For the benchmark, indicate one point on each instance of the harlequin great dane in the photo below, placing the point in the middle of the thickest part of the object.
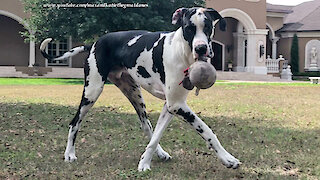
(156, 62)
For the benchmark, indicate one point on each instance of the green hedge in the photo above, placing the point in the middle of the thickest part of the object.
(309, 74)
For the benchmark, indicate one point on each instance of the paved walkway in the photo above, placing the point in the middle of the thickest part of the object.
(52, 72)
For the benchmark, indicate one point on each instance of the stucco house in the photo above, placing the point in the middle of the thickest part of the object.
(303, 20)
(255, 30)
(15, 52)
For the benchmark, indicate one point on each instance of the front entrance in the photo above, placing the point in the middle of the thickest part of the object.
(217, 60)
(14, 52)
(242, 42)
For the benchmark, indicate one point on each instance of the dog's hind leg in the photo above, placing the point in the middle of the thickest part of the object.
(132, 91)
(93, 87)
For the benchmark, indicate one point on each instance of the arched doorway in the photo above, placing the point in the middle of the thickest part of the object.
(230, 46)
(271, 42)
(14, 51)
(218, 59)
(247, 42)
(17, 52)
(241, 24)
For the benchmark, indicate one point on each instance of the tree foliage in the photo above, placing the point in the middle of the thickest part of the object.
(295, 54)
(85, 24)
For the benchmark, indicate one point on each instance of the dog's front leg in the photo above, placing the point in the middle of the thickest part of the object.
(163, 121)
(183, 111)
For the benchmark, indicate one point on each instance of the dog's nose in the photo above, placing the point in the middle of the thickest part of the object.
(201, 49)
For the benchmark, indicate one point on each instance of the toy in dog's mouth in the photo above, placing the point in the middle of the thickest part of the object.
(202, 58)
(200, 74)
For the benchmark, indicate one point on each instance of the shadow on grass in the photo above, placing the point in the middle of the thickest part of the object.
(109, 145)
(42, 81)
(78, 82)
(75, 82)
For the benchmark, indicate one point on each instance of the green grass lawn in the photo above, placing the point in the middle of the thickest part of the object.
(39, 81)
(274, 129)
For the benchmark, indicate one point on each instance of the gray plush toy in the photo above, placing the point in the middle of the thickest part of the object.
(201, 74)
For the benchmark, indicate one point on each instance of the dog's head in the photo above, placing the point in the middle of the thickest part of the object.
(198, 28)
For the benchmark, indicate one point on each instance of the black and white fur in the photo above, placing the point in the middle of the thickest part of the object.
(154, 61)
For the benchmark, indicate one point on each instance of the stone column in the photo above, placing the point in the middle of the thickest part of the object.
(32, 53)
(274, 47)
(70, 47)
(239, 51)
(255, 62)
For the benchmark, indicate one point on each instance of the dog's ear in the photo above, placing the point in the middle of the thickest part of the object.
(177, 16)
(216, 16)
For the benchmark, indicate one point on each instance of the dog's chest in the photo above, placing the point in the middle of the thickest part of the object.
(148, 70)
(149, 73)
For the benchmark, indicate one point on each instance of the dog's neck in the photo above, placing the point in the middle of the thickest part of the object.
(183, 49)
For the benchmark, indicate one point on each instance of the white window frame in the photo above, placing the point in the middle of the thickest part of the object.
(69, 60)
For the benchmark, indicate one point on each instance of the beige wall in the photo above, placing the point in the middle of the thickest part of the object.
(256, 10)
(16, 51)
(78, 61)
(226, 37)
(302, 45)
(14, 7)
(39, 58)
(275, 22)
(284, 48)
(13, 50)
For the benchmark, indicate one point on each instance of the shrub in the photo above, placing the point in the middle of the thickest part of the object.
(295, 54)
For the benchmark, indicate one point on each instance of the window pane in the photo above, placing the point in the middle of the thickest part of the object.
(58, 47)
(52, 49)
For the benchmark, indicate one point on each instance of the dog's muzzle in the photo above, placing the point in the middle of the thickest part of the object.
(201, 50)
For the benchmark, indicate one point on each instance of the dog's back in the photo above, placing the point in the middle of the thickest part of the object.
(124, 48)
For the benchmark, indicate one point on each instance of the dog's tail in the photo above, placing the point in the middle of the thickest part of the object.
(66, 55)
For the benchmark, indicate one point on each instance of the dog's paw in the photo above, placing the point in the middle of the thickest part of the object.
(70, 157)
(229, 161)
(163, 155)
(145, 160)
(144, 167)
